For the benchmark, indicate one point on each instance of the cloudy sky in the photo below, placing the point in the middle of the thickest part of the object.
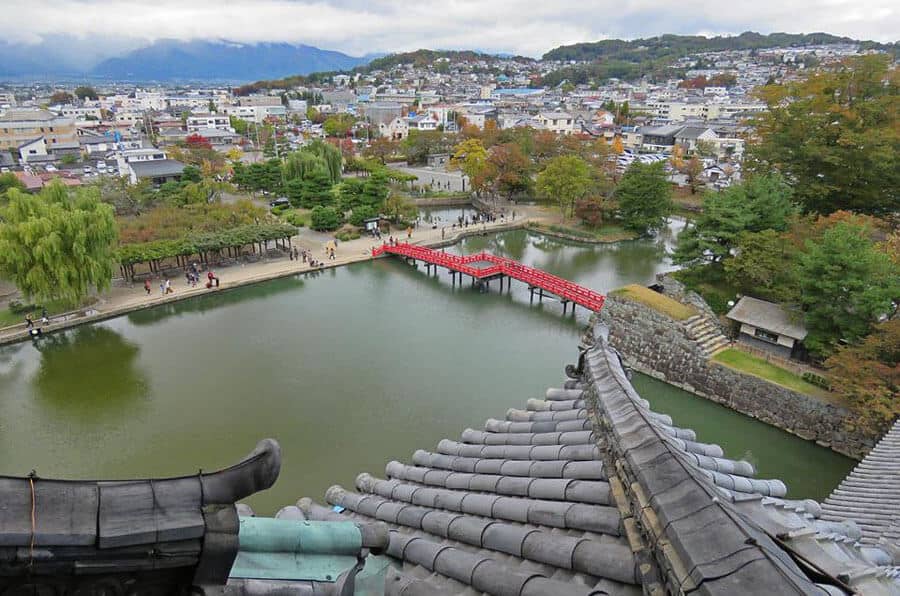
(528, 27)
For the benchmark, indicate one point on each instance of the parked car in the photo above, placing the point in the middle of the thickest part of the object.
(279, 202)
(50, 167)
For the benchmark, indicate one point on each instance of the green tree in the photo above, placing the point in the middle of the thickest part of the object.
(350, 193)
(325, 218)
(57, 245)
(835, 137)
(566, 179)
(84, 92)
(338, 125)
(8, 181)
(763, 265)
(398, 209)
(756, 204)
(360, 214)
(190, 174)
(316, 190)
(375, 189)
(644, 196)
(845, 284)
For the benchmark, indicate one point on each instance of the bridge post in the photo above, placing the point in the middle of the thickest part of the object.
(531, 291)
(541, 295)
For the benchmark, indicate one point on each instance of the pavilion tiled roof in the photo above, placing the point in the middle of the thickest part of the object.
(589, 491)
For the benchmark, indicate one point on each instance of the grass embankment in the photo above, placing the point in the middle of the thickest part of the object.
(750, 364)
(605, 233)
(656, 301)
(9, 317)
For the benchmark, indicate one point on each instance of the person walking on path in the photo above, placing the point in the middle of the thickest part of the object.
(29, 323)
(147, 286)
(443, 233)
(212, 279)
(409, 232)
(162, 287)
(169, 289)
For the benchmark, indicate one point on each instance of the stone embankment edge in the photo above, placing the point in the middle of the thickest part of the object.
(658, 346)
(457, 236)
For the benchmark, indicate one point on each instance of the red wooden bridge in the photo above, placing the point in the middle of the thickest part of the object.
(498, 268)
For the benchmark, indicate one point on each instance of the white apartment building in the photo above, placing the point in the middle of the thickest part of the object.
(201, 122)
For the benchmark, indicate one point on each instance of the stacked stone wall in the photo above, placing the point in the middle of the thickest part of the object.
(652, 343)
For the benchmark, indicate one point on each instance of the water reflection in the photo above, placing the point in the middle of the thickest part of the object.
(204, 303)
(89, 370)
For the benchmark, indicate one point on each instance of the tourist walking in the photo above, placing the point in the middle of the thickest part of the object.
(28, 322)
(162, 287)
(169, 289)
(212, 279)
(443, 233)
(147, 286)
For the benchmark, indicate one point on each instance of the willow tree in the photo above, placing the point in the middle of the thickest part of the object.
(58, 244)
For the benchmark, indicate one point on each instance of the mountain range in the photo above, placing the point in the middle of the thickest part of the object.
(167, 60)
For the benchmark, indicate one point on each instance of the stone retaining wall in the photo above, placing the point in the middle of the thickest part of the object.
(656, 345)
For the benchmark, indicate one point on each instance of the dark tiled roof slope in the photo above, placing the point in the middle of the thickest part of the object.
(870, 495)
(590, 492)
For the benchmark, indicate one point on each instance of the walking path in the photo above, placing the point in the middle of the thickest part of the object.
(128, 298)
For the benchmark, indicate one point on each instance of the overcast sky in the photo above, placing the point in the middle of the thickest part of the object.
(528, 27)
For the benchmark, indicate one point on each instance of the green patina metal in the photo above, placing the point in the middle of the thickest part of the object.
(296, 550)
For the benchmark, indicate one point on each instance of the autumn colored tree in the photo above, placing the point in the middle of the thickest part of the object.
(509, 170)
(590, 211)
(197, 141)
(380, 149)
(834, 136)
(61, 97)
(867, 374)
(470, 157)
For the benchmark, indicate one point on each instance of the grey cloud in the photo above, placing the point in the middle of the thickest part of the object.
(362, 26)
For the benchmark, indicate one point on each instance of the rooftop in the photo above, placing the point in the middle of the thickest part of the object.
(769, 316)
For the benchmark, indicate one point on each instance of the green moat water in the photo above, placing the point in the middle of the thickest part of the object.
(348, 369)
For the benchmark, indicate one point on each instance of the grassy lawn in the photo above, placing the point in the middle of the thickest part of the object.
(656, 301)
(7, 317)
(744, 362)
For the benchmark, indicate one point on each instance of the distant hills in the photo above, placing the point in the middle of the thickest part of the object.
(677, 46)
(168, 60)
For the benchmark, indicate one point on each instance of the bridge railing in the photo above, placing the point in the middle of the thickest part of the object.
(563, 288)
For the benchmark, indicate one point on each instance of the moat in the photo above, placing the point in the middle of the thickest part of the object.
(348, 369)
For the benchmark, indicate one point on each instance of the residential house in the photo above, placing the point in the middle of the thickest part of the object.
(768, 326)
(158, 171)
(20, 126)
(396, 130)
(561, 123)
(422, 122)
(689, 137)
